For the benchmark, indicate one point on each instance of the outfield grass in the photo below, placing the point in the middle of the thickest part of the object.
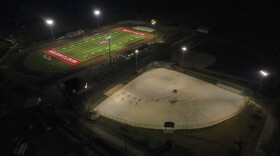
(86, 49)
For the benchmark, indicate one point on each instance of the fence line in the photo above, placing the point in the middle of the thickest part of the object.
(190, 126)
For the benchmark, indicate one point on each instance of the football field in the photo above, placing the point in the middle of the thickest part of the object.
(86, 49)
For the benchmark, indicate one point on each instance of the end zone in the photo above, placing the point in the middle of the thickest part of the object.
(62, 57)
(134, 32)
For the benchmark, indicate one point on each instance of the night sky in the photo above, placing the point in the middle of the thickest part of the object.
(246, 19)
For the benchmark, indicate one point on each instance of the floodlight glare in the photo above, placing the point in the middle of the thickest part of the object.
(264, 73)
(136, 51)
(96, 12)
(49, 21)
(184, 49)
(86, 86)
(153, 21)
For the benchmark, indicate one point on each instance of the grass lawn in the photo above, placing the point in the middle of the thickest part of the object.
(86, 49)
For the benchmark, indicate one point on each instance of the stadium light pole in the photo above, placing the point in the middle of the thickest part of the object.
(153, 21)
(97, 14)
(263, 74)
(86, 86)
(108, 39)
(136, 63)
(184, 49)
(50, 23)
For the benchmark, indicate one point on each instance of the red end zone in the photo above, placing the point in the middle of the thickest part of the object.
(62, 57)
(133, 32)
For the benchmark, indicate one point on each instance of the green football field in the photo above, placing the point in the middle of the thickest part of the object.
(86, 49)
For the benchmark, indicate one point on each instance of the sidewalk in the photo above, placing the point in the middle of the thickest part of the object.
(267, 134)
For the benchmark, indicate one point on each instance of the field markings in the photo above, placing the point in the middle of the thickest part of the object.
(84, 50)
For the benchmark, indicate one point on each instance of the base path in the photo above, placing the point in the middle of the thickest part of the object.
(163, 95)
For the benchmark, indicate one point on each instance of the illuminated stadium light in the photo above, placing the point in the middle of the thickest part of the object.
(153, 21)
(184, 49)
(50, 23)
(97, 13)
(263, 74)
(136, 63)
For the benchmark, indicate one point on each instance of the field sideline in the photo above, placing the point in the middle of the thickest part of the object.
(89, 48)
